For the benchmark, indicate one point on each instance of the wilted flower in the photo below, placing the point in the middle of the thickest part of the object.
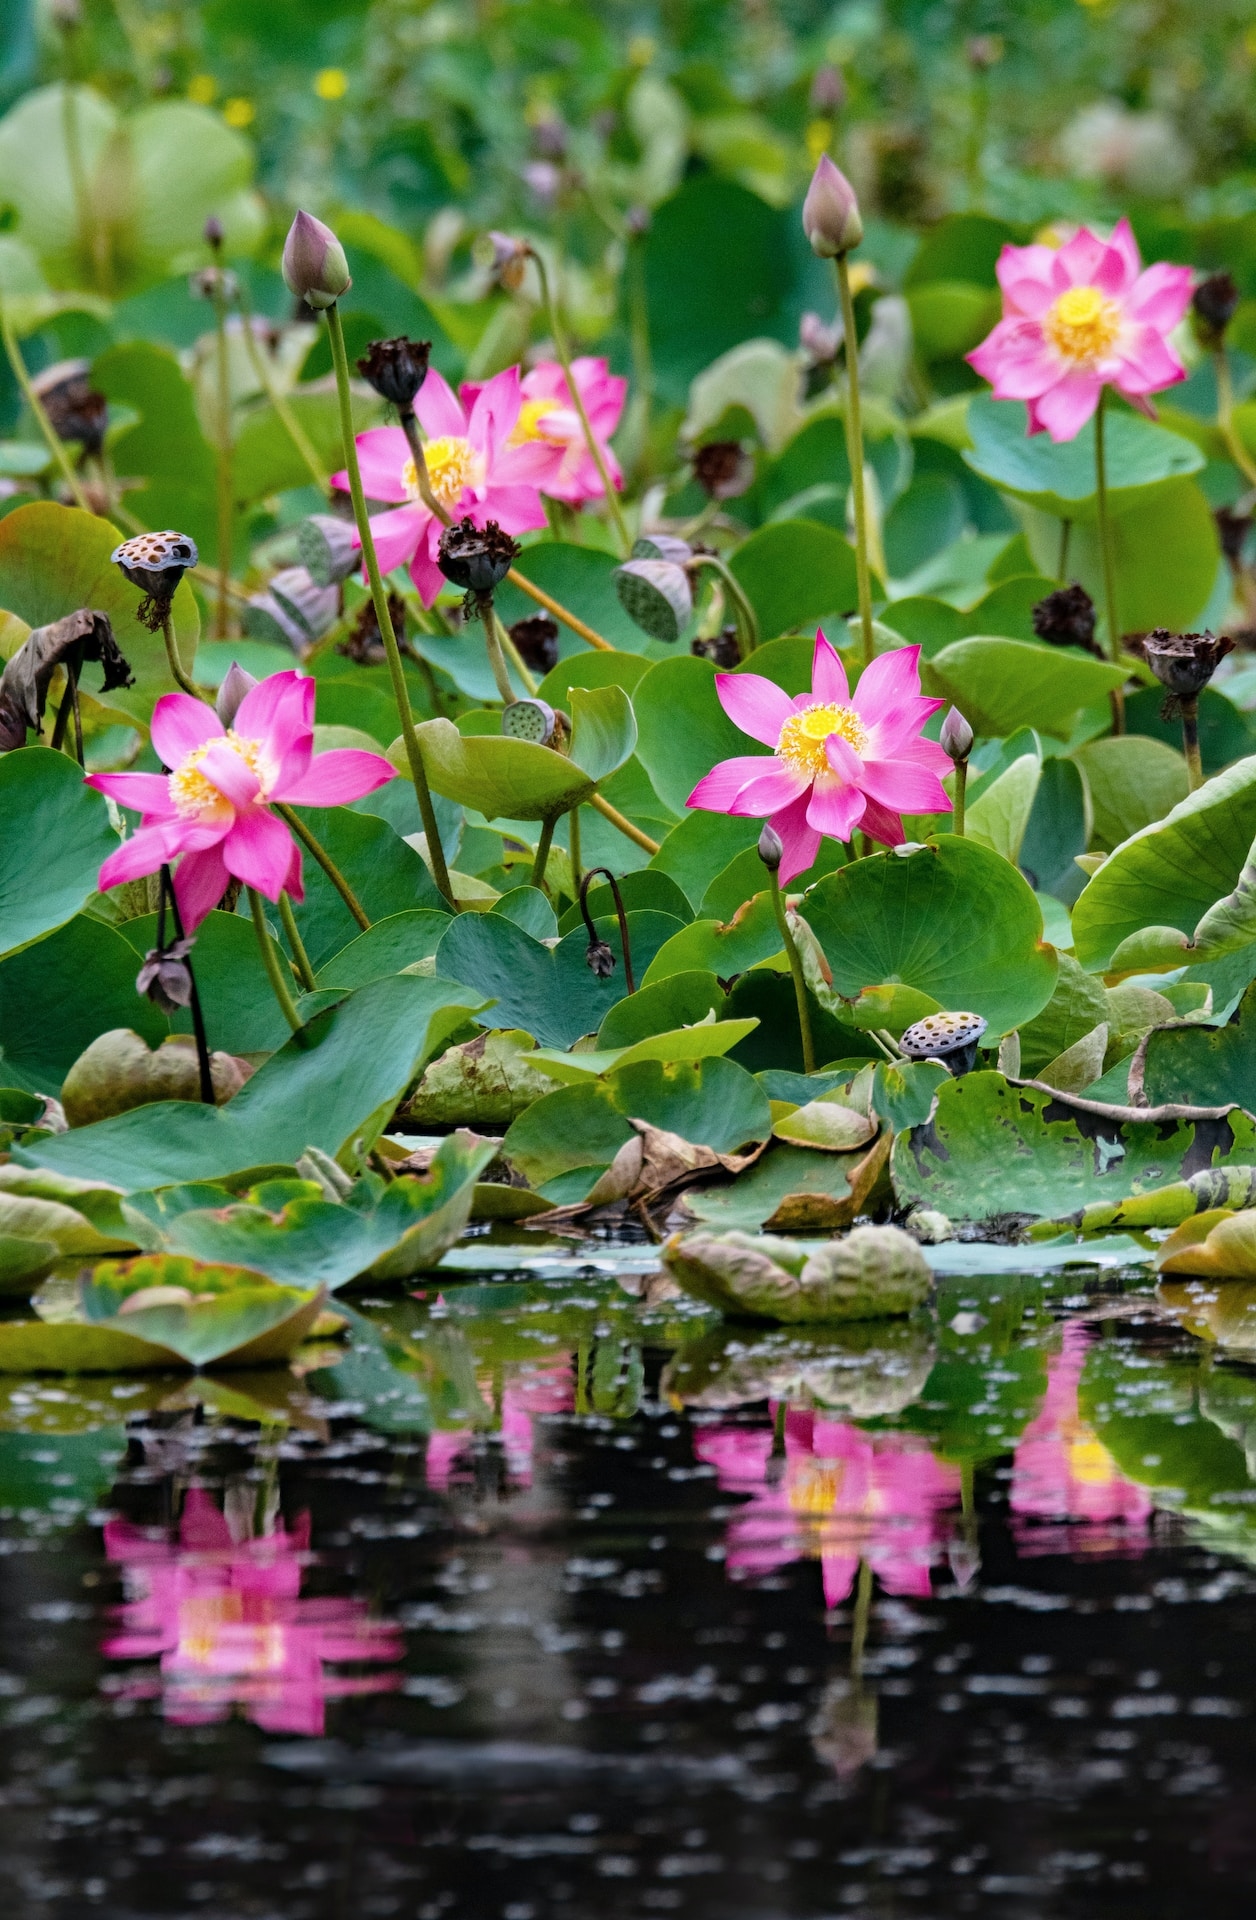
(236, 683)
(1213, 306)
(214, 805)
(956, 737)
(839, 761)
(396, 369)
(155, 562)
(723, 469)
(476, 558)
(508, 260)
(75, 408)
(536, 641)
(599, 959)
(1066, 618)
(830, 212)
(165, 977)
(1185, 662)
(314, 264)
(1078, 318)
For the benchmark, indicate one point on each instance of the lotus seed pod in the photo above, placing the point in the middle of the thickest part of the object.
(329, 549)
(956, 737)
(656, 596)
(314, 264)
(830, 212)
(951, 1038)
(314, 607)
(528, 720)
(396, 369)
(1185, 662)
(267, 618)
(662, 546)
(476, 558)
(156, 562)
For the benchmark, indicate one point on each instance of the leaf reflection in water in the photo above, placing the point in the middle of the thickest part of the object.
(1062, 1472)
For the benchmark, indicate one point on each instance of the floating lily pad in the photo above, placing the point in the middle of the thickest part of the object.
(873, 1273)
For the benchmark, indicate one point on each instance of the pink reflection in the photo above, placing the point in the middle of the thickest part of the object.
(1063, 1472)
(839, 1495)
(225, 1619)
(533, 1391)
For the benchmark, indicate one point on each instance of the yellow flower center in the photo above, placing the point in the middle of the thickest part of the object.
(452, 465)
(1082, 325)
(801, 745)
(194, 793)
(531, 423)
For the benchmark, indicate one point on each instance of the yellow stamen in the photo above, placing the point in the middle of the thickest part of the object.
(814, 1486)
(801, 745)
(452, 465)
(194, 794)
(531, 423)
(1082, 325)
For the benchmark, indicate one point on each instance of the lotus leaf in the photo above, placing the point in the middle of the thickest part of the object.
(869, 1369)
(873, 1272)
(485, 1082)
(520, 781)
(45, 806)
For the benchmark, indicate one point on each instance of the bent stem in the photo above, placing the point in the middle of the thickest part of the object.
(401, 693)
(573, 845)
(52, 439)
(177, 673)
(1190, 740)
(296, 824)
(543, 850)
(795, 967)
(559, 611)
(270, 960)
(854, 449)
(590, 438)
(301, 958)
(624, 825)
(620, 915)
(1109, 567)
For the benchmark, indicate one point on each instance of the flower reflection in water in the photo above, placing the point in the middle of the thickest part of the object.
(1063, 1473)
(221, 1610)
(835, 1494)
(533, 1391)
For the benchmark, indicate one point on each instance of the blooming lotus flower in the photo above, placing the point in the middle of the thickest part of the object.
(213, 807)
(839, 1496)
(474, 467)
(224, 1618)
(1062, 1471)
(839, 760)
(548, 418)
(1078, 318)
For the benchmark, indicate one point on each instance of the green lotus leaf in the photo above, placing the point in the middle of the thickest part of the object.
(705, 1041)
(1000, 685)
(647, 888)
(750, 936)
(872, 1273)
(1165, 555)
(701, 846)
(56, 836)
(827, 1123)
(485, 1082)
(795, 573)
(57, 997)
(794, 1190)
(1205, 1064)
(776, 1042)
(513, 779)
(1133, 783)
(1060, 477)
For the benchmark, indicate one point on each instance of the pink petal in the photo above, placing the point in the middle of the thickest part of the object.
(258, 851)
(758, 706)
(199, 883)
(836, 809)
(334, 778)
(382, 456)
(180, 725)
(843, 759)
(397, 533)
(279, 711)
(438, 409)
(1112, 274)
(717, 790)
(904, 786)
(828, 676)
(1018, 369)
(1124, 243)
(426, 575)
(1032, 266)
(801, 842)
(146, 793)
(143, 853)
(888, 739)
(884, 684)
(1160, 296)
(547, 381)
(880, 824)
(230, 773)
(1077, 261)
(1066, 407)
(528, 465)
(515, 509)
(772, 789)
(1027, 298)
(294, 885)
(495, 412)
(1146, 361)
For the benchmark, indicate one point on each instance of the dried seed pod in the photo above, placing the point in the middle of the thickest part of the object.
(165, 977)
(396, 369)
(723, 469)
(951, 1038)
(293, 610)
(74, 407)
(656, 595)
(536, 639)
(1066, 618)
(722, 649)
(1185, 662)
(476, 558)
(156, 562)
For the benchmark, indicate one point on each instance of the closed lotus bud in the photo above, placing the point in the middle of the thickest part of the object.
(314, 264)
(508, 260)
(830, 212)
(236, 683)
(771, 850)
(956, 737)
(828, 90)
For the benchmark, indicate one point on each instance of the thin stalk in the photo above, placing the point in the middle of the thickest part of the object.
(296, 824)
(301, 958)
(746, 617)
(496, 658)
(270, 960)
(515, 658)
(1061, 570)
(1117, 698)
(226, 504)
(70, 705)
(401, 693)
(854, 449)
(859, 1627)
(279, 401)
(590, 438)
(795, 967)
(573, 846)
(204, 1066)
(52, 439)
(961, 786)
(1189, 704)
(543, 851)
(582, 896)
(177, 673)
(1225, 418)
(625, 826)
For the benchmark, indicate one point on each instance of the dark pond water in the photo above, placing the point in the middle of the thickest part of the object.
(547, 1601)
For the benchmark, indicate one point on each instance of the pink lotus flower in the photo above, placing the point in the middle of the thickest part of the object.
(840, 1496)
(1078, 318)
(213, 806)
(474, 467)
(224, 1618)
(1062, 1471)
(537, 1390)
(549, 418)
(839, 760)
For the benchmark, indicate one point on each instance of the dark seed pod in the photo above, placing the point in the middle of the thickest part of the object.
(599, 959)
(75, 408)
(1066, 618)
(723, 469)
(536, 638)
(1213, 306)
(396, 369)
(951, 1038)
(476, 558)
(1185, 662)
(165, 977)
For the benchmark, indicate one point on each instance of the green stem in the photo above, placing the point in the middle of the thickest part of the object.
(859, 1626)
(1061, 571)
(558, 611)
(795, 967)
(743, 611)
(623, 824)
(1190, 740)
(177, 674)
(961, 785)
(854, 449)
(573, 846)
(543, 851)
(496, 658)
(590, 438)
(226, 504)
(401, 694)
(287, 418)
(52, 438)
(302, 959)
(1225, 419)
(293, 821)
(1109, 568)
(515, 658)
(270, 960)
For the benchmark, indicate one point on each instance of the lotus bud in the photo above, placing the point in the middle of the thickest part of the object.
(396, 369)
(1185, 662)
(508, 260)
(329, 549)
(950, 1038)
(476, 558)
(956, 737)
(830, 212)
(314, 264)
(771, 849)
(236, 683)
(1066, 618)
(828, 90)
(1213, 306)
(212, 231)
(656, 595)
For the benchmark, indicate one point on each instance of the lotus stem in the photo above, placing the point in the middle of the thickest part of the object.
(1061, 569)
(573, 846)
(167, 893)
(401, 693)
(492, 641)
(795, 967)
(854, 449)
(1105, 547)
(624, 825)
(859, 1624)
(590, 438)
(296, 824)
(279, 401)
(270, 960)
(961, 787)
(226, 502)
(559, 611)
(1225, 418)
(543, 851)
(743, 612)
(1189, 703)
(515, 658)
(177, 673)
(301, 959)
(52, 439)
(621, 916)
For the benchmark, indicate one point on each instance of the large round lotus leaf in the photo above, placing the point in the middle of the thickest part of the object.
(682, 999)
(589, 668)
(1000, 685)
(954, 921)
(872, 1273)
(515, 780)
(1133, 782)
(1165, 555)
(1060, 477)
(795, 572)
(56, 997)
(1167, 876)
(724, 950)
(949, 317)
(713, 267)
(56, 834)
(54, 560)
